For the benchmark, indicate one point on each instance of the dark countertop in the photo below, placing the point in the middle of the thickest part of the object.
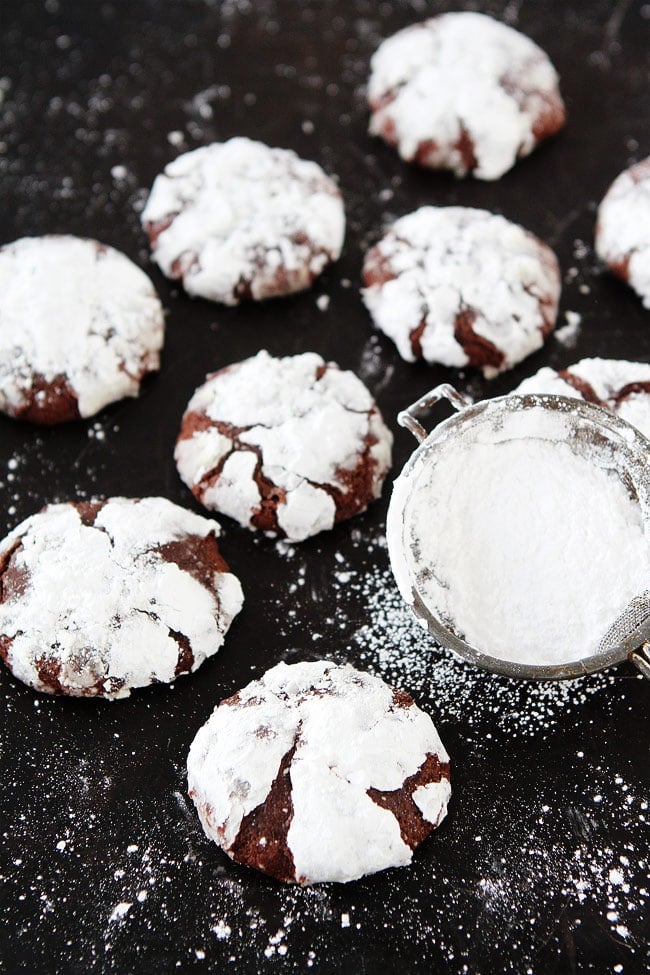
(542, 863)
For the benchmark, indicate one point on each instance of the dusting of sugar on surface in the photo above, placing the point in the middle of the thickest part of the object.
(568, 334)
(520, 872)
(573, 847)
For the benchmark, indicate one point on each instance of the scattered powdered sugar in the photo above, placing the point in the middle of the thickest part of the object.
(393, 644)
(539, 865)
(568, 334)
(439, 265)
(240, 211)
(120, 911)
(463, 84)
(522, 546)
(221, 930)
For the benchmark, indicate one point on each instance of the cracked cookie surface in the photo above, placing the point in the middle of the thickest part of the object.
(80, 326)
(97, 598)
(462, 287)
(289, 446)
(617, 385)
(319, 773)
(463, 92)
(623, 228)
(239, 220)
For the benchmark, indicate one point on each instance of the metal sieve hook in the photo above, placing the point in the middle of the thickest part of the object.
(407, 418)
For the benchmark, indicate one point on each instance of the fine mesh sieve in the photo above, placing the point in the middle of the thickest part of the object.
(591, 433)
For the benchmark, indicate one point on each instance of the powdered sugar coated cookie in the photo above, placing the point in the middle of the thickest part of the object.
(319, 773)
(464, 92)
(100, 597)
(80, 325)
(462, 287)
(286, 445)
(615, 384)
(240, 220)
(623, 228)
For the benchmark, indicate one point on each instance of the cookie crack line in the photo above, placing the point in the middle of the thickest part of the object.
(147, 612)
(631, 389)
(414, 828)
(269, 821)
(5, 559)
(233, 434)
(583, 387)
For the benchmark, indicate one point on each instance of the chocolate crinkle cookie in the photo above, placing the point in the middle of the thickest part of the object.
(80, 326)
(614, 384)
(319, 773)
(463, 92)
(289, 446)
(100, 597)
(623, 228)
(462, 287)
(238, 220)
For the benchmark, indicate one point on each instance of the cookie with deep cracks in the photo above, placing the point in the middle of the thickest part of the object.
(285, 445)
(462, 91)
(100, 597)
(462, 287)
(318, 773)
(239, 220)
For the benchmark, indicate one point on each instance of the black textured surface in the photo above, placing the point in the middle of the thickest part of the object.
(542, 864)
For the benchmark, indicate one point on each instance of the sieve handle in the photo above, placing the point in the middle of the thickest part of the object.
(407, 418)
(641, 659)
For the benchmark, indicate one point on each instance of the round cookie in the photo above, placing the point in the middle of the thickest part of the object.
(463, 92)
(623, 228)
(100, 597)
(319, 773)
(289, 446)
(238, 219)
(462, 287)
(615, 384)
(80, 326)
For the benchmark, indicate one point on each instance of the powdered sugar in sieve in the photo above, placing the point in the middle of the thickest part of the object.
(519, 532)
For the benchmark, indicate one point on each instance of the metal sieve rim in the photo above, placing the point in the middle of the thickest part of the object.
(634, 441)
